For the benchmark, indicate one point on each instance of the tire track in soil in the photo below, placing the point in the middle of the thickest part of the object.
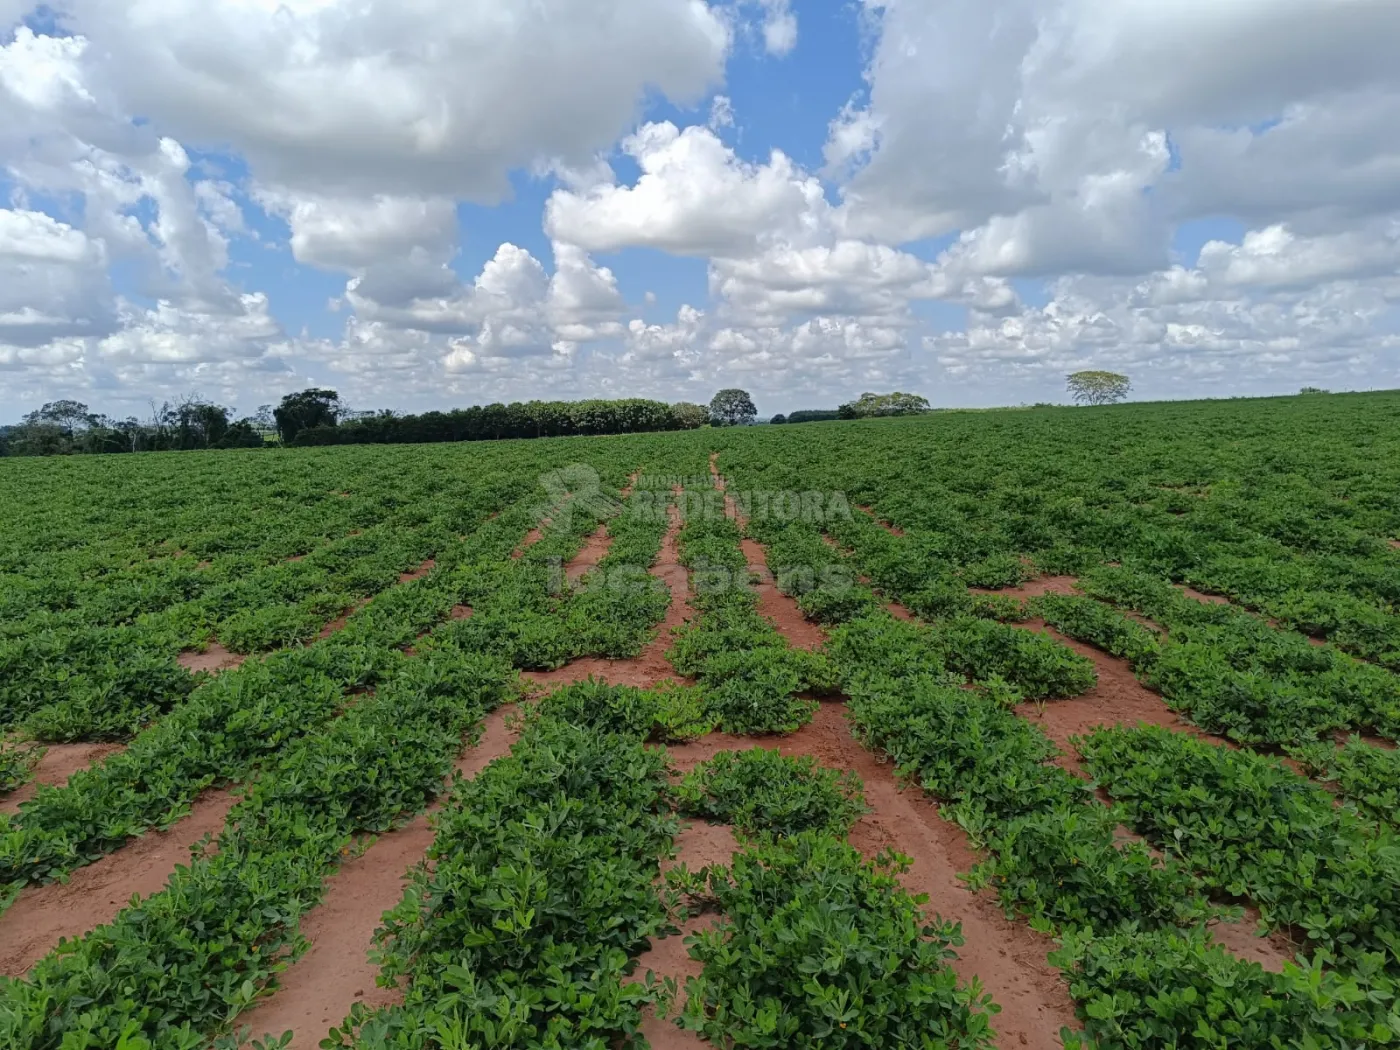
(55, 766)
(651, 667)
(317, 991)
(1007, 956)
(94, 894)
(778, 608)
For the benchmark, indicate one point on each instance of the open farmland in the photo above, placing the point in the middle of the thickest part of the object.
(1011, 728)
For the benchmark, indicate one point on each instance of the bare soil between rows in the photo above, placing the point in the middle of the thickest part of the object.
(1119, 699)
(93, 895)
(699, 845)
(318, 990)
(651, 667)
(778, 608)
(55, 766)
(1007, 956)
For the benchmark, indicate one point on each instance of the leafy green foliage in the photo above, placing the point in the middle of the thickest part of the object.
(1214, 999)
(663, 715)
(1361, 773)
(538, 892)
(386, 757)
(1101, 626)
(819, 948)
(1054, 851)
(1255, 829)
(752, 679)
(764, 791)
(1038, 665)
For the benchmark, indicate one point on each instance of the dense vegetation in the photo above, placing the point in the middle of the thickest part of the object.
(388, 598)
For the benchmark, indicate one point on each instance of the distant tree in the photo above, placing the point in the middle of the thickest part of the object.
(1313, 390)
(60, 427)
(37, 438)
(688, 415)
(895, 404)
(779, 418)
(813, 415)
(1098, 388)
(313, 407)
(732, 408)
(71, 417)
(196, 423)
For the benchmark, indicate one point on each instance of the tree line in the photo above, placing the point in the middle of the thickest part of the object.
(317, 417)
(67, 427)
(313, 417)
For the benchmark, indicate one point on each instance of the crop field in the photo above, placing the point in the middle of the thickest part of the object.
(1022, 728)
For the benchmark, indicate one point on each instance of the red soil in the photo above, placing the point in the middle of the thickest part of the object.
(1220, 599)
(780, 609)
(537, 533)
(55, 766)
(214, 658)
(898, 611)
(338, 624)
(1118, 699)
(1242, 940)
(1394, 544)
(43, 915)
(595, 549)
(316, 992)
(418, 573)
(1007, 956)
(651, 667)
(461, 612)
(1195, 595)
(699, 845)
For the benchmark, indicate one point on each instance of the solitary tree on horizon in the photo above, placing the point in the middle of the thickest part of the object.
(1098, 388)
(732, 408)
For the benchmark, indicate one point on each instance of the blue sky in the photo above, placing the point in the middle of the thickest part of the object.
(238, 197)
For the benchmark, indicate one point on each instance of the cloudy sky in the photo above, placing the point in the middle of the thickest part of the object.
(435, 203)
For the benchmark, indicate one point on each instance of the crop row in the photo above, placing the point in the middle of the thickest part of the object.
(313, 763)
(231, 723)
(1287, 508)
(1133, 928)
(752, 679)
(542, 890)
